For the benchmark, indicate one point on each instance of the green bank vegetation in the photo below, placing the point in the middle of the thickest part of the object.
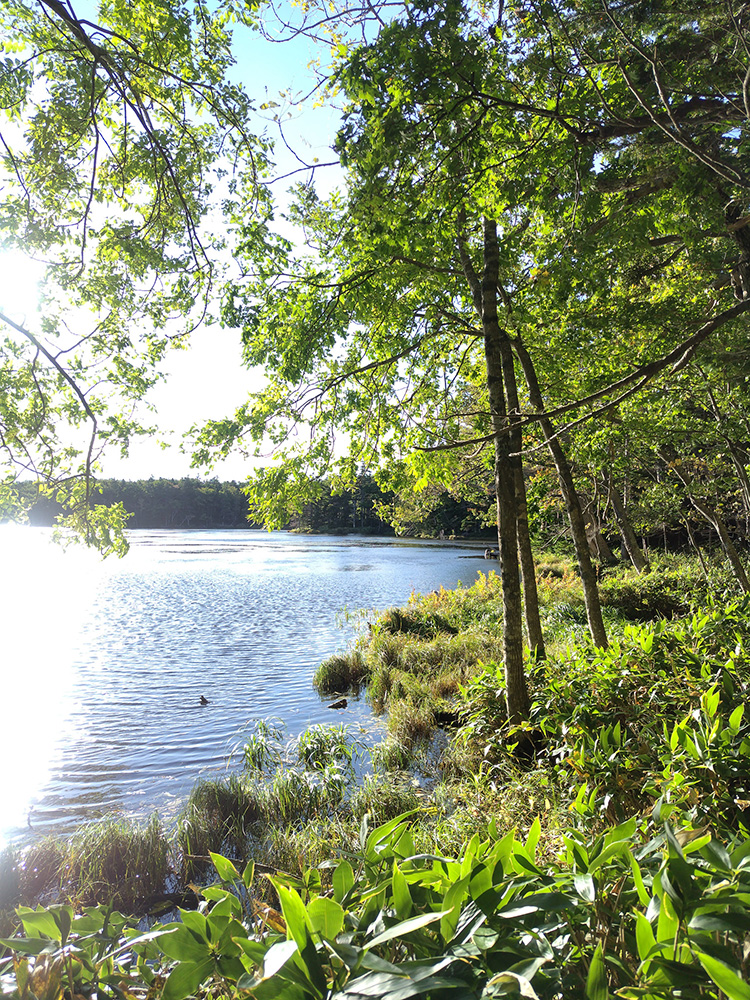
(600, 849)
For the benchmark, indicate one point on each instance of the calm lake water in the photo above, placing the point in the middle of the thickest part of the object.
(104, 662)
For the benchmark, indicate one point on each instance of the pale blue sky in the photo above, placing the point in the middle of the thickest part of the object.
(208, 380)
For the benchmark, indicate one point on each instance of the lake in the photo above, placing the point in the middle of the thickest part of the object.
(104, 662)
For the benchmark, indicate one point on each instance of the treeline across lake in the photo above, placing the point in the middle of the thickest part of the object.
(196, 503)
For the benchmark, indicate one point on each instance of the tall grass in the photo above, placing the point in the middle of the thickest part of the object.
(117, 861)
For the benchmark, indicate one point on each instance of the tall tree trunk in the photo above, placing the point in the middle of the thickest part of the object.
(695, 545)
(484, 295)
(572, 503)
(516, 690)
(627, 534)
(525, 554)
(715, 518)
(596, 541)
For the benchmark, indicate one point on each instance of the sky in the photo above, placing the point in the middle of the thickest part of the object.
(208, 380)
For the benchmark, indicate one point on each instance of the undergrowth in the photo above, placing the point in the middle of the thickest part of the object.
(628, 873)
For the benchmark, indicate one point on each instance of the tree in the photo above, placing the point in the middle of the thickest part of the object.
(114, 135)
(574, 177)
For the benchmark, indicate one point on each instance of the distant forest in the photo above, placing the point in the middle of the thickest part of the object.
(196, 503)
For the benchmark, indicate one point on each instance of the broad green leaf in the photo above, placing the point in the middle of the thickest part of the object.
(452, 902)
(518, 985)
(181, 943)
(343, 880)
(185, 979)
(585, 887)
(644, 937)
(40, 920)
(597, 987)
(224, 868)
(326, 917)
(295, 915)
(640, 887)
(277, 956)
(725, 977)
(406, 927)
(535, 832)
(401, 895)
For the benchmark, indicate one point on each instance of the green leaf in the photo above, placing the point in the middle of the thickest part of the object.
(401, 895)
(406, 927)
(26, 946)
(644, 937)
(535, 832)
(597, 987)
(41, 920)
(343, 880)
(181, 943)
(518, 985)
(277, 956)
(185, 979)
(585, 887)
(297, 922)
(326, 917)
(248, 874)
(224, 868)
(725, 977)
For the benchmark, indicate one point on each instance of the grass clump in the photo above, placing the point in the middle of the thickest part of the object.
(118, 862)
(39, 868)
(216, 817)
(384, 798)
(341, 673)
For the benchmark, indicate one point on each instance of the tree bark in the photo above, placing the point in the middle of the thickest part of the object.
(516, 690)
(695, 545)
(627, 534)
(597, 543)
(525, 554)
(572, 502)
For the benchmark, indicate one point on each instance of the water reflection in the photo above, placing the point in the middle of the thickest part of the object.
(104, 663)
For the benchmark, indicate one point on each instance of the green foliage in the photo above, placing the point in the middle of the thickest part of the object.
(647, 909)
(660, 713)
(116, 128)
(664, 592)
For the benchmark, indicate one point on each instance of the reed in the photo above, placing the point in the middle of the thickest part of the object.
(216, 817)
(117, 861)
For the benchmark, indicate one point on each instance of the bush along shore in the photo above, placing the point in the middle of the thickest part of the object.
(610, 858)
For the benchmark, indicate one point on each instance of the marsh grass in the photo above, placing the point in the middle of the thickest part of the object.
(391, 755)
(384, 797)
(216, 817)
(341, 673)
(9, 879)
(40, 867)
(412, 723)
(117, 861)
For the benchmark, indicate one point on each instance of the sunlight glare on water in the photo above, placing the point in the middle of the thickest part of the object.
(104, 663)
(44, 597)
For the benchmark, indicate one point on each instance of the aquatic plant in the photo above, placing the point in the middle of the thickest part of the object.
(118, 862)
(320, 745)
(216, 816)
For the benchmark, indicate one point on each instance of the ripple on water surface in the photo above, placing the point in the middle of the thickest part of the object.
(110, 659)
